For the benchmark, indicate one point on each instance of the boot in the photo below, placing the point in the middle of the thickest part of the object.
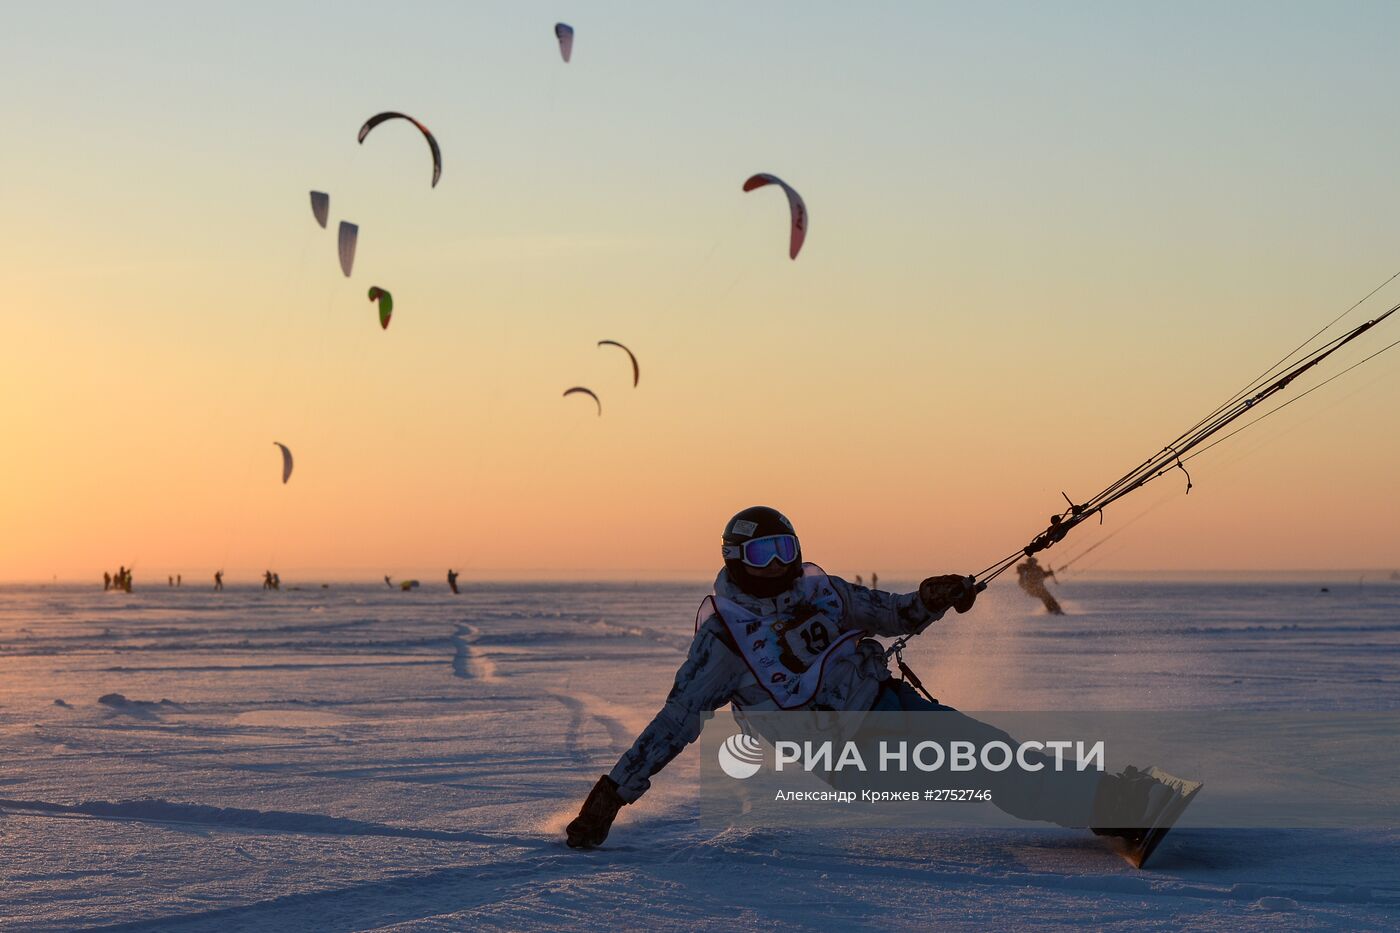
(1139, 807)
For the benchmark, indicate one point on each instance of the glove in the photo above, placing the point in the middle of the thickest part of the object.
(949, 591)
(596, 816)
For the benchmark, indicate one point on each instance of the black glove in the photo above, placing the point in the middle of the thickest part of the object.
(949, 591)
(596, 816)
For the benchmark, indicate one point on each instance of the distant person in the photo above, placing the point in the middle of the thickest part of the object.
(169, 580)
(452, 579)
(218, 580)
(277, 582)
(859, 581)
(267, 579)
(1031, 577)
(178, 579)
(106, 581)
(387, 582)
(874, 580)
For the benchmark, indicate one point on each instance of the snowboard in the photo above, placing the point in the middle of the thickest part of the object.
(1139, 849)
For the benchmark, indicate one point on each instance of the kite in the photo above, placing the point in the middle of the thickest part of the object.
(286, 462)
(795, 202)
(587, 392)
(636, 370)
(386, 305)
(321, 207)
(379, 118)
(349, 236)
(565, 34)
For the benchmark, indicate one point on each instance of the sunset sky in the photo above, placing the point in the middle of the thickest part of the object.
(1045, 238)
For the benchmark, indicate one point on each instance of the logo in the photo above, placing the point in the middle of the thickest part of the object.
(741, 756)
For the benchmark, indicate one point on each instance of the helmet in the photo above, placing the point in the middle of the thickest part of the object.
(750, 525)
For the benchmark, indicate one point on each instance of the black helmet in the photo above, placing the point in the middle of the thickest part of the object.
(752, 523)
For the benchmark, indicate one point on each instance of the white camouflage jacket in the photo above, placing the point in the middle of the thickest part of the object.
(714, 674)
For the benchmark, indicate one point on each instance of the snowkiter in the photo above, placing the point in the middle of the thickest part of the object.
(774, 613)
(1031, 577)
(452, 579)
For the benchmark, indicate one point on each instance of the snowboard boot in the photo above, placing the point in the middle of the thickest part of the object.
(1139, 808)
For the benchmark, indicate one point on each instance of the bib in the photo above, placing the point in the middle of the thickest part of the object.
(788, 652)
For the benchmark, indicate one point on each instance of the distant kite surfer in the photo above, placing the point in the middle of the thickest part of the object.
(452, 579)
(1031, 577)
(218, 580)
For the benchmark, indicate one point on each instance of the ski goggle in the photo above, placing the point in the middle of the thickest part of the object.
(760, 552)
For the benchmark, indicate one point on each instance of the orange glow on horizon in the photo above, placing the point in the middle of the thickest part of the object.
(1025, 291)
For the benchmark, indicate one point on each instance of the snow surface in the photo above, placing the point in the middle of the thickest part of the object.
(361, 758)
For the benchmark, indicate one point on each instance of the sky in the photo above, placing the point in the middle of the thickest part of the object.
(1044, 240)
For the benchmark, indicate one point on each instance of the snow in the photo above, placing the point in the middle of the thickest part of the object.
(360, 757)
